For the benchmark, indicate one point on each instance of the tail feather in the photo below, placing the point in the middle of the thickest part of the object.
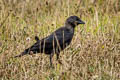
(34, 48)
(37, 38)
(23, 53)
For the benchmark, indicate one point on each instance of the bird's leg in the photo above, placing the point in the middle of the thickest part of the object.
(51, 55)
(57, 56)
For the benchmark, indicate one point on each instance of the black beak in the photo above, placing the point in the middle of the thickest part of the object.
(80, 22)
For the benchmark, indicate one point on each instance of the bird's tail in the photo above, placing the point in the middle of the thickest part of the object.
(37, 38)
(34, 48)
(23, 53)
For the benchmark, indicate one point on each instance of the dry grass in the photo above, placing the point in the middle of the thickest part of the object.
(94, 53)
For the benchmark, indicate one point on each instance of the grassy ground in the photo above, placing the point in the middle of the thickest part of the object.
(94, 53)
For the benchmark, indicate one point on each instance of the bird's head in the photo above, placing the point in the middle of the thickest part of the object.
(74, 21)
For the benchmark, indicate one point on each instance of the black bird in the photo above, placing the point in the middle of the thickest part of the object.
(55, 42)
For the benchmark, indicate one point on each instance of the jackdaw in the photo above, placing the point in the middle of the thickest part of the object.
(55, 42)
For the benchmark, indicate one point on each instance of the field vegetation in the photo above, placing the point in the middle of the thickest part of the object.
(94, 53)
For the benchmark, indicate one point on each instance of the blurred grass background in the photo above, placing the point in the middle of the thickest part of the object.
(94, 53)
